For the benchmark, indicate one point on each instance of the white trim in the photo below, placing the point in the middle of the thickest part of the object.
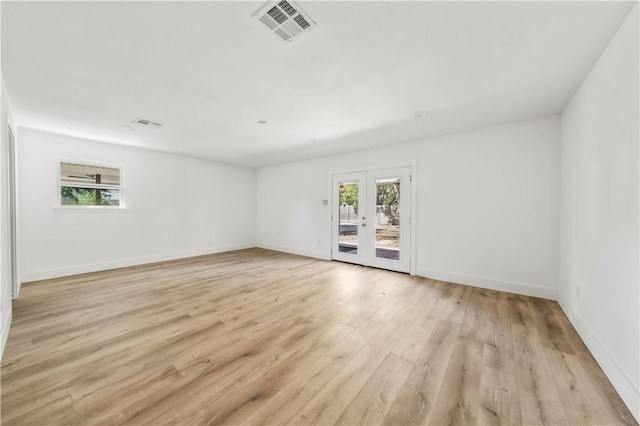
(83, 209)
(6, 326)
(12, 186)
(391, 165)
(93, 163)
(327, 253)
(307, 253)
(127, 143)
(90, 185)
(491, 284)
(413, 219)
(123, 263)
(18, 220)
(616, 375)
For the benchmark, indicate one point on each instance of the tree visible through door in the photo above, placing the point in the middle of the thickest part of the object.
(388, 218)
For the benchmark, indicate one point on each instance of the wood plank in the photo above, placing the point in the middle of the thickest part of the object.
(612, 400)
(499, 404)
(499, 387)
(412, 343)
(581, 403)
(260, 337)
(458, 399)
(414, 404)
(540, 402)
(329, 404)
(234, 406)
(284, 406)
(372, 403)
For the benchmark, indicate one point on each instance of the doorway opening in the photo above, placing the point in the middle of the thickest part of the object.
(371, 218)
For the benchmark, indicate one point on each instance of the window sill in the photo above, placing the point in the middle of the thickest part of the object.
(102, 209)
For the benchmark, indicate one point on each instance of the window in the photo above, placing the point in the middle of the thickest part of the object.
(90, 185)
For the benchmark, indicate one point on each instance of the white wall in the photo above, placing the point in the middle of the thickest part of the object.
(488, 203)
(175, 207)
(599, 240)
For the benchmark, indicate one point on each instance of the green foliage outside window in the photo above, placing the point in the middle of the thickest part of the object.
(349, 195)
(387, 194)
(74, 196)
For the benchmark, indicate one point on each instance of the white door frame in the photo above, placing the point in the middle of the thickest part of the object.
(412, 222)
(11, 186)
(404, 264)
(360, 224)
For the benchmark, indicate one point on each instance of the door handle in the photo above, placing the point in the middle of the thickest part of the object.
(364, 224)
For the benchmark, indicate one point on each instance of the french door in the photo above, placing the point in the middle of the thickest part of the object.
(371, 218)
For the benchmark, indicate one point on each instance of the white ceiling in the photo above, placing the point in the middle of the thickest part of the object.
(208, 72)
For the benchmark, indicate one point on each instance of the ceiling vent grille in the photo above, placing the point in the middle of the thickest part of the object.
(285, 19)
(146, 123)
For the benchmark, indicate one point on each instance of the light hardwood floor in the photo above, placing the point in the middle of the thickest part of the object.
(259, 337)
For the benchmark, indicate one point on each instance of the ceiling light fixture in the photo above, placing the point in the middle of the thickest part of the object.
(262, 122)
(420, 114)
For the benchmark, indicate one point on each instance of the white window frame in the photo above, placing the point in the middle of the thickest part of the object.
(59, 184)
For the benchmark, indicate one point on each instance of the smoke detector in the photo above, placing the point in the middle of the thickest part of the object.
(285, 19)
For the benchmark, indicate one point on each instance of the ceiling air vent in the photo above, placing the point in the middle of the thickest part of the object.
(285, 19)
(146, 123)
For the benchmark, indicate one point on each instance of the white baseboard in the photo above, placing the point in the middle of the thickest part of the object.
(308, 253)
(616, 375)
(6, 325)
(123, 263)
(491, 284)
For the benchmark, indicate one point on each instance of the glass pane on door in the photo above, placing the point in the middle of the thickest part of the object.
(348, 223)
(388, 218)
